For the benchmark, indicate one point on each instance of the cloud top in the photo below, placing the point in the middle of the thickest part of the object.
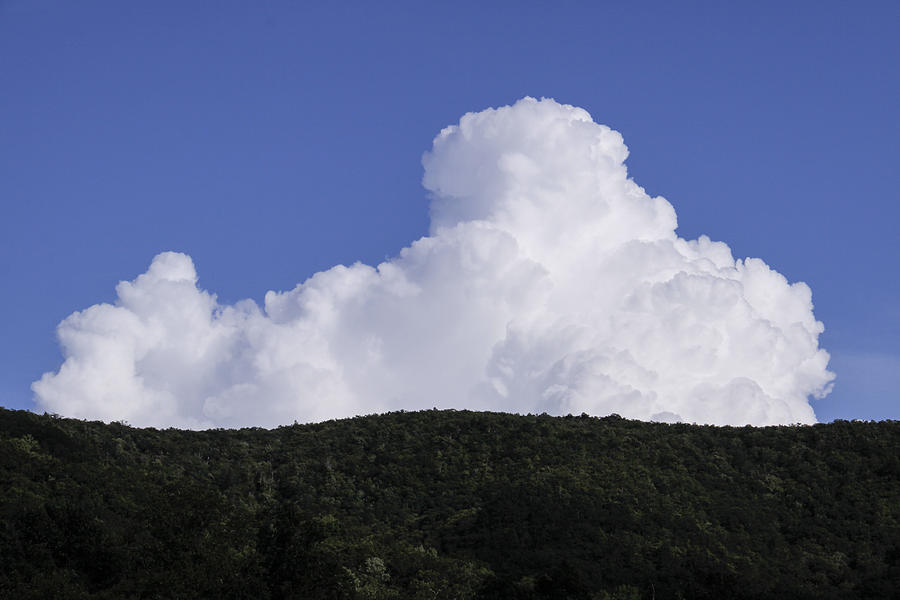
(549, 282)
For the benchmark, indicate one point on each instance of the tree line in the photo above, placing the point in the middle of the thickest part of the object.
(449, 504)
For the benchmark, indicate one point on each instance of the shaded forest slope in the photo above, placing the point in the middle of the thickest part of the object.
(449, 504)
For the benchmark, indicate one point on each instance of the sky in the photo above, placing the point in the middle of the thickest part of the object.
(271, 141)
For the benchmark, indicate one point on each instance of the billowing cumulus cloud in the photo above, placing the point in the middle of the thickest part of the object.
(549, 282)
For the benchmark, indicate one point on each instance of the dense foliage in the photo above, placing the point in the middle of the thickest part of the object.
(449, 504)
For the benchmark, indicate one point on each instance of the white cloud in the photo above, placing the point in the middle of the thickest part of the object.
(549, 281)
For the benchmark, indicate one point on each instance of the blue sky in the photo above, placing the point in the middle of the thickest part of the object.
(271, 140)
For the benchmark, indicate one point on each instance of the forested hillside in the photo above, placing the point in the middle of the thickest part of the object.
(449, 504)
